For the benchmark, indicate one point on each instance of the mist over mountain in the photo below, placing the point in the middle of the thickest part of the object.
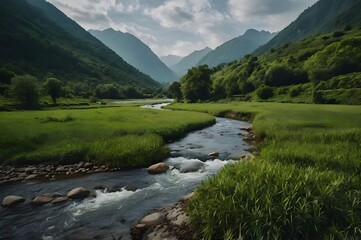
(170, 60)
(189, 61)
(136, 53)
(323, 17)
(237, 48)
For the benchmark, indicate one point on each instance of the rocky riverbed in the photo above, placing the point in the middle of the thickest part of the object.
(9, 174)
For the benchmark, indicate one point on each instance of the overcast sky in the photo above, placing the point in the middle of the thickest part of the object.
(182, 26)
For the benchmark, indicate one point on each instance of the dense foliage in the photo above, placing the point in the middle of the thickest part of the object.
(196, 84)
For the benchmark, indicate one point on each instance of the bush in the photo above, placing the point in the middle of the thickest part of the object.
(25, 90)
(261, 200)
(264, 92)
(295, 91)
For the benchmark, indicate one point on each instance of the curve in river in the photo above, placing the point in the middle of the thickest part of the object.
(110, 215)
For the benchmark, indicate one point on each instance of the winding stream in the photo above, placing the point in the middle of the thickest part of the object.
(110, 215)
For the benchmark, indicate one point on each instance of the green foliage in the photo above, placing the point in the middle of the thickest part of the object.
(53, 87)
(264, 92)
(196, 84)
(6, 75)
(174, 91)
(305, 184)
(295, 91)
(25, 90)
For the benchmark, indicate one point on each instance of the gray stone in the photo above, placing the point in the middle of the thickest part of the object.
(60, 200)
(158, 168)
(12, 200)
(42, 199)
(30, 170)
(191, 166)
(78, 193)
(153, 219)
(214, 154)
(30, 177)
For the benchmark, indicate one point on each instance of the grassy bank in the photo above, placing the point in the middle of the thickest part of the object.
(304, 185)
(118, 136)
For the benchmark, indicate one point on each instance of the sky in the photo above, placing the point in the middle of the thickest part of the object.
(179, 27)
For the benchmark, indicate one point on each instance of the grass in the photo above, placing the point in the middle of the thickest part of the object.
(305, 183)
(118, 136)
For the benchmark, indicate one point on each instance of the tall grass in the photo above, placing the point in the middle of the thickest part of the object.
(305, 183)
(111, 136)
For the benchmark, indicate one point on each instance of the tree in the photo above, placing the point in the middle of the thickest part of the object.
(174, 91)
(25, 90)
(53, 88)
(264, 92)
(196, 84)
(280, 75)
(6, 75)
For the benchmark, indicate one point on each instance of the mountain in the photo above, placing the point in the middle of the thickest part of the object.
(35, 44)
(170, 60)
(189, 61)
(136, 53)
(237, 48)
(323, 17)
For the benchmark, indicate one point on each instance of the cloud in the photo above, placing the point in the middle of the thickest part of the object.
(181, 26)
(272, 15)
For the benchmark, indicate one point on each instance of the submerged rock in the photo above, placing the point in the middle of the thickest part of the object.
(12, 200)
(42, 199)
(78, 193)
(214, 154)
(158, 168)
(60, 200)
(191, 166)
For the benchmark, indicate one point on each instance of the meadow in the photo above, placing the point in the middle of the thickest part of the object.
(304, 184)
(123, 136)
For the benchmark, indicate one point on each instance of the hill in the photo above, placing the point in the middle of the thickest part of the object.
(56, 46)
(189, 61)
(170, 60)
(136, 53)
(236, 48)
(323, 17)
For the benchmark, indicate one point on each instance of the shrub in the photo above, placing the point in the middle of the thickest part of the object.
(264, 92)
(25, 90)
(295, 91)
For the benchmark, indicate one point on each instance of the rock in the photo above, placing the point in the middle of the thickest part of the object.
(153, 219)
(60, 200)
(42, 199)
(12, 200)
(78, 193)
(247, 129)
(191, 166)
(30, 170)
(158, 168)
(187, 197)
(30, 177)
(88, 165)
(99, 187)
(22, 175)
(214, 154)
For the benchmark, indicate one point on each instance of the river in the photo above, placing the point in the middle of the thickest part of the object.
(135, 192)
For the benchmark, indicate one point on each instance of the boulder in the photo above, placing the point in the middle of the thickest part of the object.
(191, 166)
(42, 199)
(214, 154)
(158, 168)
(30, 177)
(12, 200)
(30, 170)
(60, 200)
(78, 193)
(153, 219)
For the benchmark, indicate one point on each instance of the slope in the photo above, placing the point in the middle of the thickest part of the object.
(136, 53)
(189, 61)
(170, 60)
(323, 17)
(237, 48)
(36, 45)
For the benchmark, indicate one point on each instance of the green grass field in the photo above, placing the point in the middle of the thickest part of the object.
(118, 136)
(305, 184)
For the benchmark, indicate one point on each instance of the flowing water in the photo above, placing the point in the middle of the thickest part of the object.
(134, 192)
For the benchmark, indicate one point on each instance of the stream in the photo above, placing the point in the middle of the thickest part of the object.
(134, 192)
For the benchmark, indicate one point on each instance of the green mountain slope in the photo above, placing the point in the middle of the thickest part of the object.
(136, 53)
(34, 44)
(236, 48)
(323, 17)
(189, 61)
(328, 63)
